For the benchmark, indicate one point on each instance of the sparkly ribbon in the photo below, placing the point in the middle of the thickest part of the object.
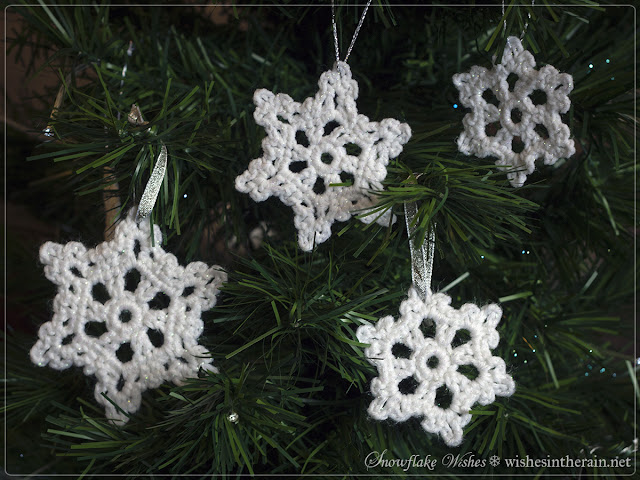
(335, 30)
(526, 23)
(422, 258)
(152, 189)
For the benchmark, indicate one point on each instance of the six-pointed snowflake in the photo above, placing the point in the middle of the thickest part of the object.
(525, 125)
(313, 146)
(127, 313)
(435, 362)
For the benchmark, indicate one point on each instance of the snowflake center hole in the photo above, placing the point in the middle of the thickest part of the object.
(326, 158)
(433, 362)
(400, 350)
(125, 316)
(408, 385)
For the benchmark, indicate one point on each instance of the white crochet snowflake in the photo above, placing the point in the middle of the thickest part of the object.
(314, 145)
(127, 313)
(524, 126)
(435, 362)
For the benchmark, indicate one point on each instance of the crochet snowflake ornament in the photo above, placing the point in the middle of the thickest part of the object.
(434, 355)
(523, 127)
(312, 146)
(127, 313)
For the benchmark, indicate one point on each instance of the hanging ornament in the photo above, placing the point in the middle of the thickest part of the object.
(525, 124)
(126, 312)
(435, 361)
(321, 157)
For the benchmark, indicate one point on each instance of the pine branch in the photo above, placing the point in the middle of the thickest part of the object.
(554, 254)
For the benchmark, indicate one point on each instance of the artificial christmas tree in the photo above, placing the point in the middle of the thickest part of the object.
(294, 380)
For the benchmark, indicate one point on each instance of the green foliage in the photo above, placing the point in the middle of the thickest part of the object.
(555, 253)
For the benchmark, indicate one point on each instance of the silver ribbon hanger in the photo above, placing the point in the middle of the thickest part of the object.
(335, 30)
(124, 68)
(422, 258)
(152, 189)
(526, 23)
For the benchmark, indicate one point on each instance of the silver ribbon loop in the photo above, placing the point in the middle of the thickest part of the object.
(152, 189)
(335, 30)
(526, 23)
(422, 258)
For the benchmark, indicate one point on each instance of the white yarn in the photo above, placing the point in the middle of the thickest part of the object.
(555, 85)
(189, 290)
(492, 379)
(283, 118)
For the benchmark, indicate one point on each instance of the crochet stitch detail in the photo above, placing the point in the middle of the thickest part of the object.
(425, 359)
(314, 145)
(522, 127)
(127, 313)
